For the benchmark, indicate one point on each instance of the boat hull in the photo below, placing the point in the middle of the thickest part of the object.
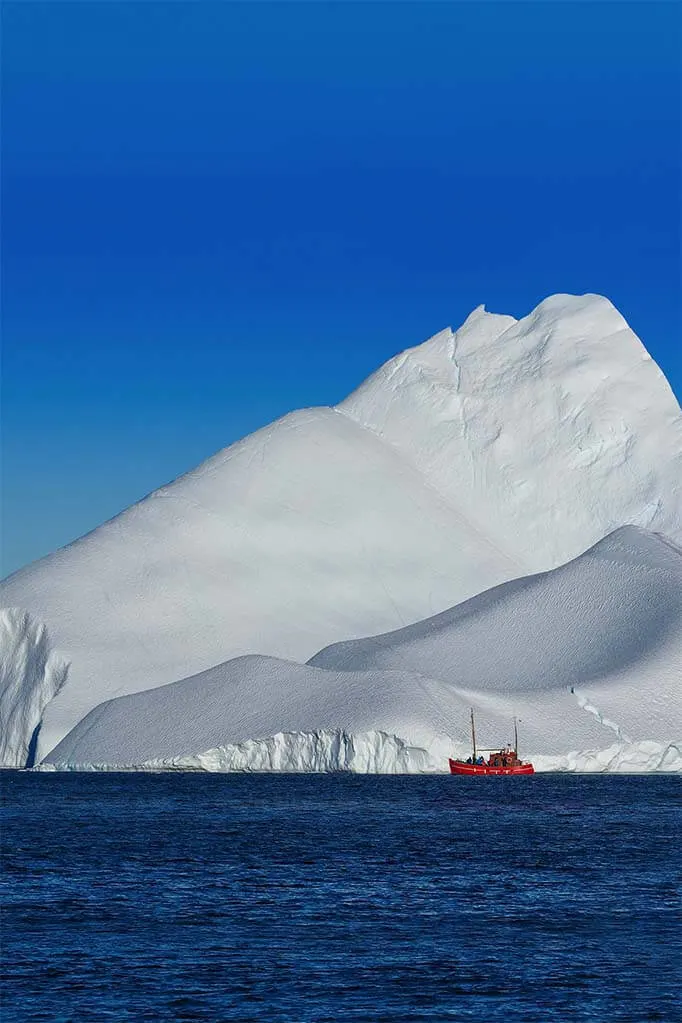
(461, 767)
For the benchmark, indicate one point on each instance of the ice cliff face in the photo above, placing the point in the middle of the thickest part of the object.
(31, 674)
(377, 753)
(588, 656)
(482, 455)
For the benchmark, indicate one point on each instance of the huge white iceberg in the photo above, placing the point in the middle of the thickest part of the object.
(587, 656)
(485, 454)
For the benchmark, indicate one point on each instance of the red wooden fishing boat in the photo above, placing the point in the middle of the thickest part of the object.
(500, 761)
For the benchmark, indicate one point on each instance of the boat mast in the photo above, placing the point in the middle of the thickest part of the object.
(473, 734)
(516, 739)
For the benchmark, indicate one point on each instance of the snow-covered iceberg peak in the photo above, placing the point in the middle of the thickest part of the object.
(548, 432)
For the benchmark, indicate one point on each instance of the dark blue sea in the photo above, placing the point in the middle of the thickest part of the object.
(312, 899)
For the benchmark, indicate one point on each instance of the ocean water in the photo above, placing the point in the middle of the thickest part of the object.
(307, 899)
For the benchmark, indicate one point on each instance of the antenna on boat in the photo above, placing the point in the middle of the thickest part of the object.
(473, 735)
(516, 739)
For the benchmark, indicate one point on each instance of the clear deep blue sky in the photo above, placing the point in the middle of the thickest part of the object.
(218, 212)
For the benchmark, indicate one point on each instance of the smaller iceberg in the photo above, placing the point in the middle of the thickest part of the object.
(586, 657)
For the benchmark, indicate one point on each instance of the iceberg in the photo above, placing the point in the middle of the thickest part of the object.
(484, 455)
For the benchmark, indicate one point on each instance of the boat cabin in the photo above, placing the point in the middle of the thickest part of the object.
(504, 758)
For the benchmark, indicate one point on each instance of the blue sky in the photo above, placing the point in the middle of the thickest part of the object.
(217, 212)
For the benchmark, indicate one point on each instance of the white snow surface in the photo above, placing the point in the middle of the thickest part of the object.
(504, 448)
(587, 656)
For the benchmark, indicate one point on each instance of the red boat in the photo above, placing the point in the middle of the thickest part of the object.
(502, 761)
